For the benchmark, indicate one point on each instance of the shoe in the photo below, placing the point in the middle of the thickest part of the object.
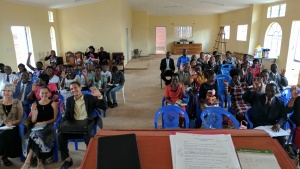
(25, 166)
(6, 161)
(109, 104)
(67, 164)
(114, 105)
(40, 166)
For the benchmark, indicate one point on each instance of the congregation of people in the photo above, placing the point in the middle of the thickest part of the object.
(248, 84)
(39, 96)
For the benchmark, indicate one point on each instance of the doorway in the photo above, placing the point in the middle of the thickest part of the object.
(23, 44)
(161, 38)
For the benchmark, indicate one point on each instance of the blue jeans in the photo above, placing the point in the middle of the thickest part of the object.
(111, 92)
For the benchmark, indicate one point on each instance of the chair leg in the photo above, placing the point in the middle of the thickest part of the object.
(123, 95)
(76, 144)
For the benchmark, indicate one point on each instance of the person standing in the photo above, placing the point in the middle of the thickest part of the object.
(167, 68)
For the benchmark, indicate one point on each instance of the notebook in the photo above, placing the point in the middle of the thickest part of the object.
(39, 127)
(118, 152)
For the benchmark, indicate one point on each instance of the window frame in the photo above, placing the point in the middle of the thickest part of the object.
(279, 13)
(273, 27)
(238, 32)
(183, 32)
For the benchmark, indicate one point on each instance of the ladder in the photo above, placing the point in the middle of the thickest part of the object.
(220, 41)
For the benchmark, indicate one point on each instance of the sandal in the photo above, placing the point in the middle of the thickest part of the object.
(6, 161)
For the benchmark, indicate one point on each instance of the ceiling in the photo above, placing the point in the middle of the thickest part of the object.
(160, 7)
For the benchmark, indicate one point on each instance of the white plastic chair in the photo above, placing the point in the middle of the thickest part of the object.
(122, 90)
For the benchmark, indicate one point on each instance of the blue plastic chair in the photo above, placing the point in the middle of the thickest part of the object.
(96, 114)
(170, 117)
(56, 124)
(89, 93)
(22, 132)
(212, 117)
(221, 88)
(225, 69)
(291, 139)
(198, 112)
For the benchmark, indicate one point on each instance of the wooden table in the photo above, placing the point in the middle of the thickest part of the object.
(155, 152)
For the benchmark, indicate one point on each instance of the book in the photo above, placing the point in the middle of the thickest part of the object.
(181, 103)
(118, 152)
(272, 133)
(39, 127)
(257, 159)
(7, 128)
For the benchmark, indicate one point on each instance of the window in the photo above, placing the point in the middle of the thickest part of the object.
(273, 39)
(183, 32)
(227, 32)
(23, 44)
(295, 40)
(242, 32)
(53, 39)
(276, 11)
(50, 16)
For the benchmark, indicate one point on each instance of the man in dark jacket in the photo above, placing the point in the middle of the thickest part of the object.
(79, 107)
(167, 68)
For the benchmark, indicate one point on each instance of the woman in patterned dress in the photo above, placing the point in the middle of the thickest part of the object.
(40, 142)
(236, 90)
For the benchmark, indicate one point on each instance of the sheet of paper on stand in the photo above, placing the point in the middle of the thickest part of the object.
(203, 151)
(7, 128)
(272, 133)
(257, 159)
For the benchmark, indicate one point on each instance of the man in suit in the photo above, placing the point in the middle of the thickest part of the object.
(182, 60)
(167, 68)
(23, 88)
(267, 109)
(279, 79)
(9, 76)
(79, 107)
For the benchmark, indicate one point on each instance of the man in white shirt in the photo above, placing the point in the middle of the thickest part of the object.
(106, 73)
(9, 76)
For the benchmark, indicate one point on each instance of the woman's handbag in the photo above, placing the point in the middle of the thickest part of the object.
(76, 126)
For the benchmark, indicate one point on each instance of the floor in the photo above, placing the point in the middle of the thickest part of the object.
(143, 98)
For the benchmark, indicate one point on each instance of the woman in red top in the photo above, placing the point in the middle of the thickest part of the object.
(255, 68)
(174, 92)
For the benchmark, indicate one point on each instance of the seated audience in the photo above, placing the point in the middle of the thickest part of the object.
(106, 73)
(91, 56)
(23, 88)
(247, 75)
(186, 75)
(90, 75)
(167, 68)
(43, 81)
(182, 60)
(10, 78)
(103, 56)
(218, 60)
(21, 68)
(236, 90)
(294, 105)
(210, 85)
(98, 81)
(201, 59)
(261, 81)
(2, 68)
(229, 59)
(11, 113)
(174, 92)
(39, 66)
(279, 79)
(79, 107)
(79, 60)
(117, 83)
(40, 142)
(53, 79)
(199, 78)
(267, 109)
(52, 57)
(255, 68)
(56, 69)
(212, 66)
(193, 62)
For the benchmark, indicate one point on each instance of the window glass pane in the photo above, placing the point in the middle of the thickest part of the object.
(242, 32)
(269, 12)
(183, 32)
(50, 16)
(272, 40)
(274, 11)
(282, 10)
(227, 32)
